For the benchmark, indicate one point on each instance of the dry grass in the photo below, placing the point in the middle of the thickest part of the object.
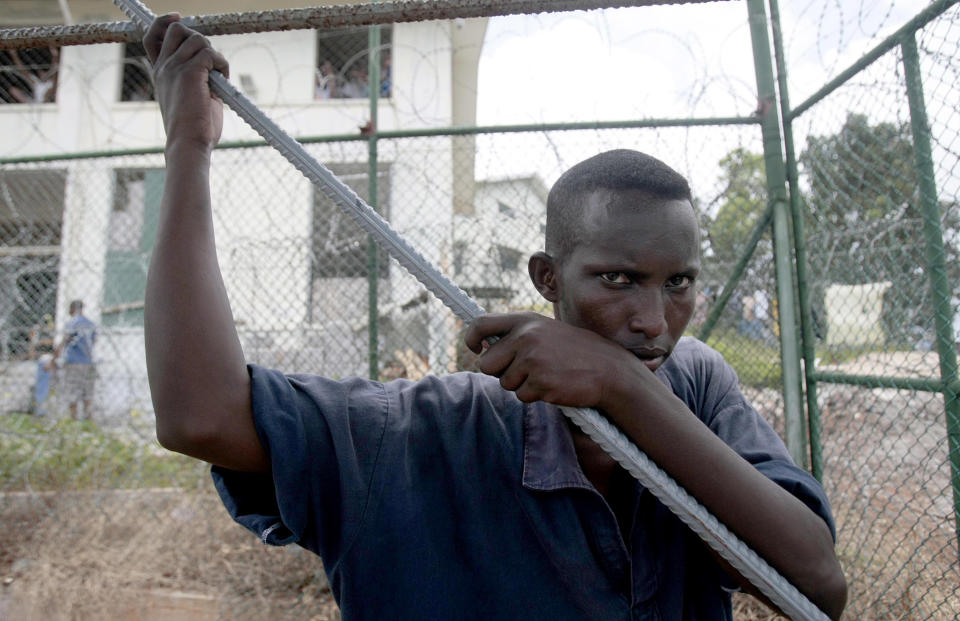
(83, 555)
(887, 475)
(748, 608)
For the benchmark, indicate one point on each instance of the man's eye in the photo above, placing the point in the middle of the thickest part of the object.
(679, 282)
(615, 277)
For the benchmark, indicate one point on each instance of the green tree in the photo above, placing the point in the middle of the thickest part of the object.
(864, 222)
(728, 221)
(741, 202)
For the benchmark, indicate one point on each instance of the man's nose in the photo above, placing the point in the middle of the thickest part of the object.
(647, 313)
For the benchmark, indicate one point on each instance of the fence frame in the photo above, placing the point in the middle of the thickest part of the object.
(783, 216)
(948, 384)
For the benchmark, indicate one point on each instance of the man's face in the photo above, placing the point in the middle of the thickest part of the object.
(630, 276)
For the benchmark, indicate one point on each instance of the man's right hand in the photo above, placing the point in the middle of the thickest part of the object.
(182, 60)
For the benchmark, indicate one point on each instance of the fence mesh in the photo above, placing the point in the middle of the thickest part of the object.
(885, 448)
(302, 278)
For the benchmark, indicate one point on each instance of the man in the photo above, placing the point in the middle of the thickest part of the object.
(469, 496)
(79, 372)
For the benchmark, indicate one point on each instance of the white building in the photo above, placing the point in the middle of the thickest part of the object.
(297, 277)
(491, 246)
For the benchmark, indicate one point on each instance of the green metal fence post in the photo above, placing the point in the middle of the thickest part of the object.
(808, 338)
(783, 252)
(373, 252)
(936, 260)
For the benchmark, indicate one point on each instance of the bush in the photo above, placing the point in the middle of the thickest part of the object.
(756, 362)
(69, 454)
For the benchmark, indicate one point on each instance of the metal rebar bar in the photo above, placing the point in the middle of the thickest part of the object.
(686, 507)
(321, 17)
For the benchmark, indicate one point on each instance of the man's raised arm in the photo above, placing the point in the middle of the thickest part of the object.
(198, 376)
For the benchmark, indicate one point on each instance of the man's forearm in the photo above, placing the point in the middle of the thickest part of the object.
(196, 366)
(777, 525)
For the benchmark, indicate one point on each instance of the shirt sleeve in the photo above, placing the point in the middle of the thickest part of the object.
(712, 390)
(323, 438)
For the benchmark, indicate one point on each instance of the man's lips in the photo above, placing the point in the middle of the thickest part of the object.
(652, 357)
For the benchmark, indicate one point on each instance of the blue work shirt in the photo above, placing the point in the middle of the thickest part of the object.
(81, 334)
(448, 498)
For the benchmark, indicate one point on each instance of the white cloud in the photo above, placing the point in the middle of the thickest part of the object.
(619, 64)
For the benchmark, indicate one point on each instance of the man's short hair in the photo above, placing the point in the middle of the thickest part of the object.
(76, 305)
(620, 169)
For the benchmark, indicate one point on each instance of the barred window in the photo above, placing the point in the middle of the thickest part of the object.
(339, 244)
(29, 75)
(135, 82)
(342, 63)
(509, 258)
(31, 207)
(131, 233)
(31, 221)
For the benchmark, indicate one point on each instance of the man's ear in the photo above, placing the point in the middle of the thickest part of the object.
(543, 273)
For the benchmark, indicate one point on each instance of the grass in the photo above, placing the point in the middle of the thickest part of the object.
(38, 455)
(756, 362)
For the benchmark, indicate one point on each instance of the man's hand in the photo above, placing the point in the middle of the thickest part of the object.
(543, 359)
(182, 61)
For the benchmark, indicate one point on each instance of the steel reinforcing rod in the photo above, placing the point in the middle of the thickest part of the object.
(754, 568)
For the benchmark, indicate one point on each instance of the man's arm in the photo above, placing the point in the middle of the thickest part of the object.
(547, 360)
(196, 367)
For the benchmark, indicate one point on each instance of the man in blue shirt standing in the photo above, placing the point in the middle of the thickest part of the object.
(79, 373)
(469, 496)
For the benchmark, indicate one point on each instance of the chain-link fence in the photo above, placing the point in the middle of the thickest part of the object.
(877, 189)
(311, 294)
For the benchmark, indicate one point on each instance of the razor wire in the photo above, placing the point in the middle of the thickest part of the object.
(337, 16)
(780, 591)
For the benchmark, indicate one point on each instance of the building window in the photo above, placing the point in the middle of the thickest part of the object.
(339, 244)
(125, 230)
(459, 256)
(131, 232)
(31, 221)
(506, 210)
(135, 81)
(509, 258)
(29, 75)
(342, 63)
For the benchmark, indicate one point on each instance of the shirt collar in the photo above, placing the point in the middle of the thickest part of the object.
(549, 458)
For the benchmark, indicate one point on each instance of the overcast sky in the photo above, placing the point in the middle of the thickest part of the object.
(614, 63)
(679, 62)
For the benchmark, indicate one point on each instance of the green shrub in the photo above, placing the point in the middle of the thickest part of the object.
(756, 362)
(71, 454)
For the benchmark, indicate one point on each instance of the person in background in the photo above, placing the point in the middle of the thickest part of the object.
(79, 372)
(326, 81)
(42, 83)
(386, 81)
(356, 84)
(41, 350)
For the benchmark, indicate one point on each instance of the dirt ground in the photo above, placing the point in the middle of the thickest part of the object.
(167, 554)
(155, 555)
(887, 474)
(146, 555)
